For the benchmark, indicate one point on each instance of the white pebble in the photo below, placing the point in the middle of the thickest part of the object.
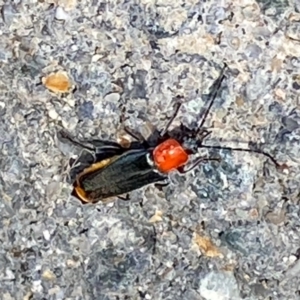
(60, 14)
(53, 114)
(113, 97)
(46, 235)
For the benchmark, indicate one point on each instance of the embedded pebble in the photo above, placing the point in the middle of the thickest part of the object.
(8, 13)
(219, 286)
(113, 97)
(60, 14)
(53, 114)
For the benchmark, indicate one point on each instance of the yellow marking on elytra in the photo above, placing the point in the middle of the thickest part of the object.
(95, 166)
(81, 193)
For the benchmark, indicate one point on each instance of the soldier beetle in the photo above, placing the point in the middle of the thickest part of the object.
(116, 170)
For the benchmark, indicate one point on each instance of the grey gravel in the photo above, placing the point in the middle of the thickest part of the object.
(136, 57)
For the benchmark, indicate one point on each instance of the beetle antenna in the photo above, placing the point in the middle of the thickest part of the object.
(177, 108)
(274, 161)
(215, 90)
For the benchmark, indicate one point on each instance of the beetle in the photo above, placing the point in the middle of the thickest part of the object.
(116, 170)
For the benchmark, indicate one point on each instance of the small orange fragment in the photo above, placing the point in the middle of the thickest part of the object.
(206, 246)
(58, 82)
(157, 217)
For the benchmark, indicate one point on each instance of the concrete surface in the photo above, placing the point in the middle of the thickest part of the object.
(223, 231)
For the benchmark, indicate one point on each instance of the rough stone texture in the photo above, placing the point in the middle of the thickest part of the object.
(138, 55)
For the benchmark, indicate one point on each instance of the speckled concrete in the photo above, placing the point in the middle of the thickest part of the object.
(227, 230)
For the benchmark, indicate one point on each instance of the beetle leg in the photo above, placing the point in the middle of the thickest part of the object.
(154, 238)
(212, 95)
(139, 138)
(94, 145)
(160, 186)
(126, 198)
(175, 113)
(200, 160)
(204, 134)
(64, 135)
(133, 135)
